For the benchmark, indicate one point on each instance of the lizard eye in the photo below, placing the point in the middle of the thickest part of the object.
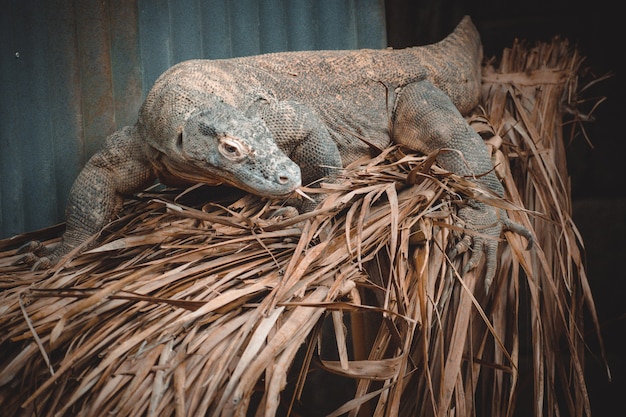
(232, 149)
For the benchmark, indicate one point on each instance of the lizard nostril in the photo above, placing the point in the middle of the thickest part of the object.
(283, 179)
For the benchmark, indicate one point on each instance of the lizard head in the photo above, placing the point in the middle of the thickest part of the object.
(222, 144)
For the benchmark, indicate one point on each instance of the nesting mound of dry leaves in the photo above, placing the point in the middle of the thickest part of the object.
(195, 303)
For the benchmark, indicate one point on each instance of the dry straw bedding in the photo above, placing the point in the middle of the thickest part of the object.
(197, 303)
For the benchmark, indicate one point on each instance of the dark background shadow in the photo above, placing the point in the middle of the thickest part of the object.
(599, 197)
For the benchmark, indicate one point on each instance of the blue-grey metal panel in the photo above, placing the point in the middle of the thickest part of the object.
(126, 64)
(39, 114)
(176, 30)
(71, 72)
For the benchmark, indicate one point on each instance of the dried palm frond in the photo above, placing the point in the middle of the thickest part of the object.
(200, 304)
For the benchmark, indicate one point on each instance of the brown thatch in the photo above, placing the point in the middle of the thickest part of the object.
(194, 308)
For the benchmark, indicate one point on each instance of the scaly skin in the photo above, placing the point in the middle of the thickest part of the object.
(269, 123)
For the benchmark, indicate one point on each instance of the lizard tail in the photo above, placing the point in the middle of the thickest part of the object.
(464, 39)
(457, 63)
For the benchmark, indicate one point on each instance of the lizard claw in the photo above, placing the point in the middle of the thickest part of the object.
(490, 222)
(35, 256)
(34, 246)
(286, 212)
(509, 224)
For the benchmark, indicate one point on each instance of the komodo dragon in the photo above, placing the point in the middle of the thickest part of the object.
(269, 123)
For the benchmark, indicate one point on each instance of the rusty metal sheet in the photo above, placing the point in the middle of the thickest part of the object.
(71, 72)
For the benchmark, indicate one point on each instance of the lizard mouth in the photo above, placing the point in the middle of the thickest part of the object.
(282, 190)
(283, 181)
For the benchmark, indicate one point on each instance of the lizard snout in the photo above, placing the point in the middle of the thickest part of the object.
(287, 175)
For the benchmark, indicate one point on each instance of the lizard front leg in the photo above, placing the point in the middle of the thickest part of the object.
(302, 135)
(96, 196)
(426, 120)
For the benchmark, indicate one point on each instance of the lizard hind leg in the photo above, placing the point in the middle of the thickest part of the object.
(426, 120)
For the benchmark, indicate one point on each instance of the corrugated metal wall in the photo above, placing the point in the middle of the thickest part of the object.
(71, 72)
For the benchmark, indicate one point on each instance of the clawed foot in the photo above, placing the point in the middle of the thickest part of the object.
(489, 222)
(286, 212)
(36, 255)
